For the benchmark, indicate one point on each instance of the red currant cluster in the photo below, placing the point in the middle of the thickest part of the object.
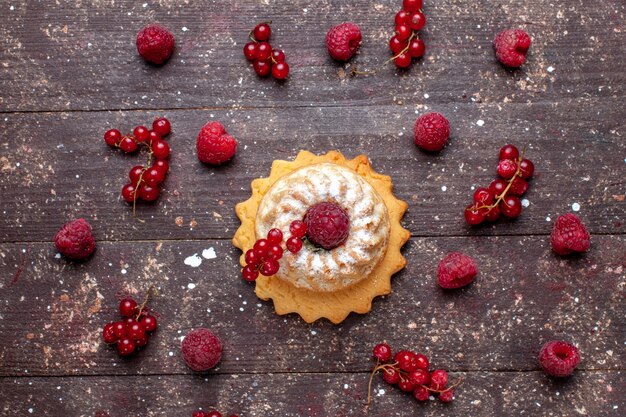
(144, 180)
(213, 413)
(264, 58)
(132, 332)
(502, 196)
(265, 254)
(406, 44)
(410, 372)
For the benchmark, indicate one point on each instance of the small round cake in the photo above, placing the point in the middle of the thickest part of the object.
(314, 268)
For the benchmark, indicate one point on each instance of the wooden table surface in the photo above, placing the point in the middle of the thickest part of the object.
(69, 71)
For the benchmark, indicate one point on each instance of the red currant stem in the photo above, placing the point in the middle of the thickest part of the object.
(377, 368)
(374, 72)
(153, 290)
(451, 387)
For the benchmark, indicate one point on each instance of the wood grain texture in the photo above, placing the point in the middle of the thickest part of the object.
(82, 56)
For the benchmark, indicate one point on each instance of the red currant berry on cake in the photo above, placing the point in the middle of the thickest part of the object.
(250, 273)
(419, 377)
(263, 51)
(269, 267)
(511, 207)
(112, 137)
(148, 192)
(474, 215)
(275, 236)
(403, 32)
(483, 196)
(262, 68)
(129, 193)
(418, 21)
(407, 360)
(249, 50)
(155, 44)
(327, 225)
(421, 393)
(391, 375)
(497, 187)
(275, 252)
(343, 41)
(507, 168)
(509, 152)
(298, 228)
(262, 32)
(252, 258)
(280, 70)
(397, 45)
(262, 246)
(402, 60)
(149, 322)
(141, 133)
(108, 334)
(125, 346)
(417, 48)
(382, 352)
(456, 270)
(402, 18)
(128, 307)
(294, 244)
(446, 396)
(412, 5)
(160, 149)
(432, 131)
(559, 358)
(162, 126)
(438, 380)
(128, 145)
(527, 168)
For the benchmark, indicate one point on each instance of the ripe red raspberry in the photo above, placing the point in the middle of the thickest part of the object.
(75, 240)
(569, 235)
(343, 41)
(214, 145)
(511, 46)
(456, 270)
(155, 44)
(327, 225)
(559, 358)
(432, 131)
(202, 350)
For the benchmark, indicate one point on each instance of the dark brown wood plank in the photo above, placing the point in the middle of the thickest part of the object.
(56, 167)
(311, 395)
(52, 313)
(61, 56)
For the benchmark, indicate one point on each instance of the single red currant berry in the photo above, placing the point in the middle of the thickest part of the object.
(402, 60)
(263, 51)
(417, 48)
(153, 176)
(294, 244)
(160, 149)
(148, 192)
(297, 228)
(419, 377)
(269, 267)
(519, 186)
(262, 246)
(128, 145)
(252, 258)
(422, 361)
(511, 207)
(278, 55)
(213, 413)
(108, 334)
(153, 137)
(112, 137)
(275, 236)
(391, 376)
(129, 193)
(493, 214)
(418, 21)
(198, 413)
(507, 168)
(382, 352)
(142, 341)
(136, 331)
(149, 322)
(438, 380)
(162, 126)
(275, 252)
(497, 187)
(446, 396)
(509, 152)
(474, 215)
(402, 18)
(128, 307)
(135, 174)
(262, 32)
(125, 346)
(280, 70)
(405, 385)
(262, 68)
(129, 321)
(420, 393)
(141, 133)
(483, 196)
(162, 166)
(249, 50)
(527, 168)
(396, 44)
(403, 32)
(412, 5)
(119, 329)
(249, 273)
(406, 360)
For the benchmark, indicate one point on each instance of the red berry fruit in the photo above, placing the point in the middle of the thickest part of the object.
(497, 187)
(153, 176)
(432, 131)
(342, 41)
(405, 384)
(438, 380)
(136, 331)
(148, 192)
(198, 413)
(412, 5)
(141, 133)
(249, 50)
(278, 55)
(446, 396)
(382, 352)
(125, 346)
(262, 68)
(403, 32)
(162, 166)
(527, 168)
(108, 334)
(128, 307)
(456, 270)
(397, 45)
(155, 44)
(422, 361)
(507, 168)
(298, 228)
(509, 152)
(418, 21)
(269, 267)
(417, 48)
(252, 258)
(160, 149)
(135, 174)
(294, 244)
(402, 60)
(213, 414)
(275, 252)
(559, 358)
(128, 145)
(402, 18)
(263, 51)
(327, 225)
(474, 215)
(280, 70)
(262, 32)
(162, 126)
(419, 377)
(511, 207)
(129, 193)
(391, 376)
(493, 213)
(519, 186)
(569, 235)
(213, 145)
(250, 273)
(407, 360)
(75, 240)
(511, 47)
(421, 393)
(202, 350)
(275, 236)
(119, 329)
(149, 322)
(483, 196)
(112, 137)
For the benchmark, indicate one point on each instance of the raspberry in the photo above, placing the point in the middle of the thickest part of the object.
(432, 131)
(559, 358)
(343, 41)
(327, 225)
(202, 350)
(456, 270)
(511, 46)
(214, 145)
(569, 235)
(75, 239)
(155, 44)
